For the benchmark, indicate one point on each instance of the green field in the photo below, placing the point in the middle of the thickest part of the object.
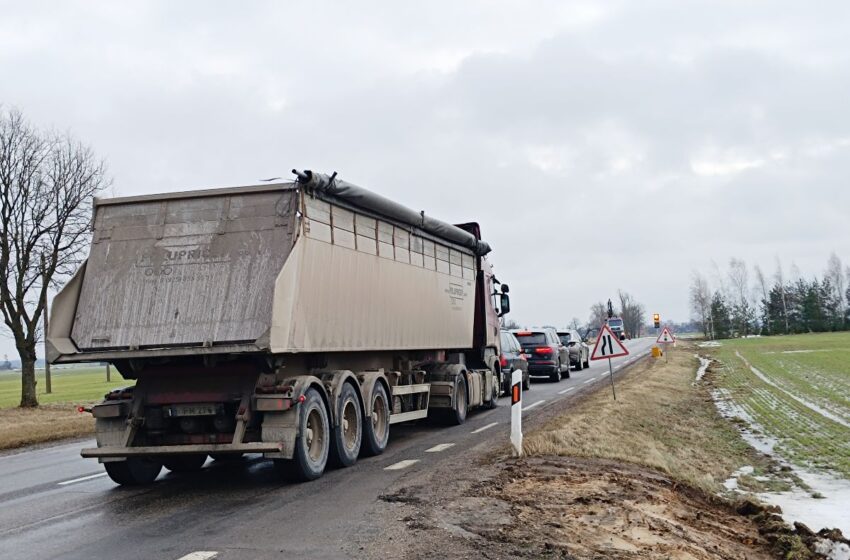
(802, 397)
(70, 385)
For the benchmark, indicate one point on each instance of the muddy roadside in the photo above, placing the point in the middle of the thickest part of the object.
(639, 478)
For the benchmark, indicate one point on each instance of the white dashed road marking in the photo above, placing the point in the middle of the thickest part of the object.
(592, 379)
(532, 405)
(401, 465)
(200, 555)
(567, 390)
(482, 428)
(438, 448)
(82, 479)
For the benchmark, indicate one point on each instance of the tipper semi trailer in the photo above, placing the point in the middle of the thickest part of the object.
(299, 320)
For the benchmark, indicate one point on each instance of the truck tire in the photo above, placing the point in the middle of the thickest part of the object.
(310, 456)
(456, 415)
(376, 428)
(135, 471)
(347, 436)
(497, 389)
(184, 463)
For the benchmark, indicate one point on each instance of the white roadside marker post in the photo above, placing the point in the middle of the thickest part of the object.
(611, 372)
(516, 412)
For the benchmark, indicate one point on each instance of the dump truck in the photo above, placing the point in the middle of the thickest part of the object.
(299, 320)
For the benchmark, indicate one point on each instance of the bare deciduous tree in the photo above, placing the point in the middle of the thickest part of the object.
(761, 288)
(631, 312)
(48, 181)
(700, 298)
(835, 275)
(740, 291)
(780, 282)
(598, 315)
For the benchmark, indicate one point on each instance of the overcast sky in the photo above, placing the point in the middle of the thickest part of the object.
(600, 145)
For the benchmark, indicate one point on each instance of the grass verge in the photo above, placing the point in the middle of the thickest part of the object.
(57, 417)
(50, 422)
(660, 419)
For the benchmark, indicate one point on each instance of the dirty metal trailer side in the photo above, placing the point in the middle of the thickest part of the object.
(297, 320)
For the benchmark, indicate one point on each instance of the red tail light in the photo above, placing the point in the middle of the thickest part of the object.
(543, 350)
(503, 361)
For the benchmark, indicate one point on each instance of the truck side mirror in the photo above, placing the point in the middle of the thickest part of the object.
(505, 304)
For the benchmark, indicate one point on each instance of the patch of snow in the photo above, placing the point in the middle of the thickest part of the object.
(709, 344)
(827, 512)
(833, 550)
(703, 366)
(731, 483)
(753, 434)
(808, 404)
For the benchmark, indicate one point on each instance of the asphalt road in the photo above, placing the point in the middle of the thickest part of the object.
(54, 504)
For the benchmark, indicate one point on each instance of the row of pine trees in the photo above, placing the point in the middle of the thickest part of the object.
(735, 307)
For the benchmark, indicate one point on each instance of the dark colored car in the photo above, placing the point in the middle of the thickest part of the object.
(511, 359)
(577, 347)
(546, 355)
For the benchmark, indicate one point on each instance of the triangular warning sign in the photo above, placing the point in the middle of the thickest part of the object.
(666, 337)
(608, 345)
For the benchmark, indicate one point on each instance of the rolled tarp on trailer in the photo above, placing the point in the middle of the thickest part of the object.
(357, 196)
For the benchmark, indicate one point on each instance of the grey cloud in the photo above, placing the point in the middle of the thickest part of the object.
(608, 141)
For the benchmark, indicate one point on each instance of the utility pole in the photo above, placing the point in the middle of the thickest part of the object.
(108, 373)
(48, 388)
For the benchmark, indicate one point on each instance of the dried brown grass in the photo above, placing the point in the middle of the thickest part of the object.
(20, 427)
(660, 420)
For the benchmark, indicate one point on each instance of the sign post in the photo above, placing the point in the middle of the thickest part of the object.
(666, 338)
(608, 346)
(516, 412)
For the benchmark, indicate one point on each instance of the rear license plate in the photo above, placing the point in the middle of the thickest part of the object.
(192, 410)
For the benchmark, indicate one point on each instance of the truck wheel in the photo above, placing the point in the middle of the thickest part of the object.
(135, 471)
(184, 463)
(457, 414)
(497, 389)
(310, 455)
(348, 435)
(376, 430)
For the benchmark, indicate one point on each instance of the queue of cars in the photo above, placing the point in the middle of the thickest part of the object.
(542, 352)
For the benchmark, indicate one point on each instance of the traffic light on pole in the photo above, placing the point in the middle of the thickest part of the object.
(656, 318)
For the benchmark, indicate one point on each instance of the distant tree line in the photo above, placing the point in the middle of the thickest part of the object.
(736, 306)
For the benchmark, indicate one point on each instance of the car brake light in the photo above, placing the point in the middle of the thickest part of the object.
(503, 361)
(544, 350)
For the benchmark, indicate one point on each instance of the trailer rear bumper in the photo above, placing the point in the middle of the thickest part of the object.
(116, 451)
